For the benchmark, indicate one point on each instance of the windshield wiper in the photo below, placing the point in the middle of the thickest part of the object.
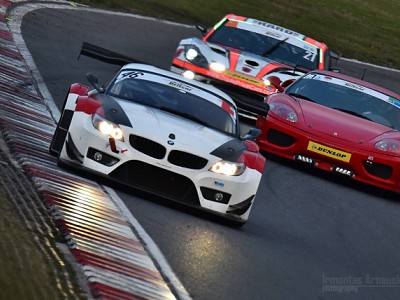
(352, 113)
(273, 47)
(301, 96)
(183, 114)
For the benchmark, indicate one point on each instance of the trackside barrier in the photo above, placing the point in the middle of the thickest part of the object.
(112, 258)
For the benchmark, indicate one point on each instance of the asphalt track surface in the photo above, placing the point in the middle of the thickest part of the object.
(310, 235)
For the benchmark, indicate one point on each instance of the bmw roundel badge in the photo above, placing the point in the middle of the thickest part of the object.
(170, 142)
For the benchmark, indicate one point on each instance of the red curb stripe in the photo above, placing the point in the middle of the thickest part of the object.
(66, 224)
(6, 3)
(117, 240)
(49, 194)
(27, 114)
(68, 179)
(124, 264)
(9, 131)
(31, 152)
(94, 209)
(11, 54)
(12, 72)
(19, 92)
(102, 291)
(109, 235)
(89, 215)
(54, 198)
(131, 271)
(6, 35)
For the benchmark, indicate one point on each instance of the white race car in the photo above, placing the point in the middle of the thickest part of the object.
(159, 132)
(239, 55)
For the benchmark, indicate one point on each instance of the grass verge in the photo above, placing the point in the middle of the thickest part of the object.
(359, 29)
(31, 259)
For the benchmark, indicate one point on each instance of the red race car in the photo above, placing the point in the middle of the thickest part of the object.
(239, 53)
(336, 123)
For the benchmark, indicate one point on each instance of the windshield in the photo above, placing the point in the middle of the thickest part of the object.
(175, 97)
(348, 97)
(267, 44)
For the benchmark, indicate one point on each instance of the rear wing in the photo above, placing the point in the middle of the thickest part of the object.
(106, 55)
(115, 58)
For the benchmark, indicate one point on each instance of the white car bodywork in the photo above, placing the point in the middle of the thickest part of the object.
(240, 55)
(162, 152)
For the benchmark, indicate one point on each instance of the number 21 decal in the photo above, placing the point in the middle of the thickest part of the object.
(310, 56)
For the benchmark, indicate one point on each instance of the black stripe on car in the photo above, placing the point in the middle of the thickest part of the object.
(231, 150)
(113, 111)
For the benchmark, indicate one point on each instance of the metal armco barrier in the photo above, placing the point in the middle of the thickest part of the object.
(113, 260)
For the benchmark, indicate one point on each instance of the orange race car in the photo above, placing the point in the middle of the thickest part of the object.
(238, 54)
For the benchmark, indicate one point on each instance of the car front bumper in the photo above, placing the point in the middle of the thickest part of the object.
(87, 149)
(329, 154)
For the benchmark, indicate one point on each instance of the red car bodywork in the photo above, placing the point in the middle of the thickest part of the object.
(333, 140)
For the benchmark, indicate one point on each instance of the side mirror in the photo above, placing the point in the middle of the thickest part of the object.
(252, 134)
(94, 82)
(202, 29)
(287, 82)
(275, 82)
(334, 55)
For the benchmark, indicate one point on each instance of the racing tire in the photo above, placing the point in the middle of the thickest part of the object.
(60, 134)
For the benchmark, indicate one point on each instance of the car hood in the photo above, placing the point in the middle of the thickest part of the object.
(340, 124)
(243, 62)
(173, 131)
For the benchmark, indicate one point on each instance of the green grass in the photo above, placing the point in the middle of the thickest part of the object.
(31, 260)
(367, 30)
(24, 272)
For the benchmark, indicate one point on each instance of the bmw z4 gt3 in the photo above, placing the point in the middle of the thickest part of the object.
(159, 132)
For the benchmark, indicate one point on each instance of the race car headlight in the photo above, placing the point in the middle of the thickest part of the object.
(188, 74)
(107, 127)
(228, 168)
(217, 67)
(267, 82)
(284, 111)
(388, 145)
(193, 54)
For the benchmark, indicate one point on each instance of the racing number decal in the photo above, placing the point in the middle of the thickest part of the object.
(128, 75)
(132, 74)
(310, 56)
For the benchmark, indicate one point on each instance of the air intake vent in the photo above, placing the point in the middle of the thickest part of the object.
(252, 63)
(377, 169)
(219, 51)
(279, 138)
(147, 146)
(186, 160)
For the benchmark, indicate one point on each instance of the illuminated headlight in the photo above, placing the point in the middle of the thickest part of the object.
(267, 82)
(107, 127)
(388, 145)
(284, 111)
(194, 56)
(217, 67)
(228, 168)
(188, 74)
(191, 54)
